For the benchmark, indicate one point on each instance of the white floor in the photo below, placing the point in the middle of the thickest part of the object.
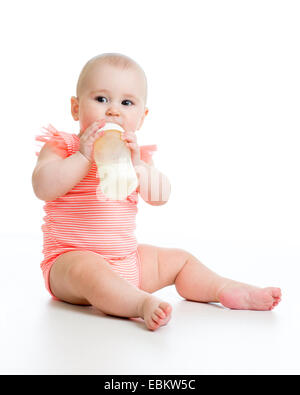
(43, 336)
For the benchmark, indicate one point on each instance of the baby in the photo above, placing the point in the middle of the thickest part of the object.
(91, 255)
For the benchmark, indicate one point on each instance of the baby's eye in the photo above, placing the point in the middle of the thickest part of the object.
(101, 99)
(127, 101)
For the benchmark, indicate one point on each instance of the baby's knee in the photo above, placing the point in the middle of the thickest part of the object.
(76, 270)
(84, 266)
(184, 255)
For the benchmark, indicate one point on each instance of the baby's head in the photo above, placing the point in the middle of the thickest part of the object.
(113, 87)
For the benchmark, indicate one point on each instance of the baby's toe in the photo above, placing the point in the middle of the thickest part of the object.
(276, 301)
(267, 297)
(275, 292)
(166, 307)
(152, 325)
(160, 313)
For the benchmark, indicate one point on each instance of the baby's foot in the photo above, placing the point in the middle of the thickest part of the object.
(155, 312)
(246, 297)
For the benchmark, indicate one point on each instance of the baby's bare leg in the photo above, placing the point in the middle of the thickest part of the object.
(195, 282)
(84, 277)
(167, 266)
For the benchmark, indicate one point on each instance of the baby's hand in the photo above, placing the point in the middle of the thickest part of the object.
(88, 138)
(131, 142)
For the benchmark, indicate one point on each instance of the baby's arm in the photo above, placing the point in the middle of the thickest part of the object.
(54, 175)
(154, 186)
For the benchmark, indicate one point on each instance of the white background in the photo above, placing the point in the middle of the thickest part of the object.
(223, 103)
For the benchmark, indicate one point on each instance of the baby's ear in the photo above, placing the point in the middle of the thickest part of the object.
(143, 118)
(75, 108)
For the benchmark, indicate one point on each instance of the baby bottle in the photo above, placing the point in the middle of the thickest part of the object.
(118, 178)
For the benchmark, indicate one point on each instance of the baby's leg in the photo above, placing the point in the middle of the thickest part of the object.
(195, 282)
(84, 277)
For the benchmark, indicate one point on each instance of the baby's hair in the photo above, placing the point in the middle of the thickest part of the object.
(114, 59)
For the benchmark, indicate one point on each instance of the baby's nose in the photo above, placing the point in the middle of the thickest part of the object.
(113, 110)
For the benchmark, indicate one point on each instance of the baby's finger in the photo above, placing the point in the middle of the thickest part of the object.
(99, 124)
(132, 146)
(99, 133)
(129, 136)
(96, 126)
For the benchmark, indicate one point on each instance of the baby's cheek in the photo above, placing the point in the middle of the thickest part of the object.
(89, 115)
(131, 126)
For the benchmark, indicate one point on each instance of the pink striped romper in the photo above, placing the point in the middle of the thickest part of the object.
(79, 220)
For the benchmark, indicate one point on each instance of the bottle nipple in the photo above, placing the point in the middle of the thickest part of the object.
(117, 175)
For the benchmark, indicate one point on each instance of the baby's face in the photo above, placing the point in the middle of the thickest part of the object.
(113, 94)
